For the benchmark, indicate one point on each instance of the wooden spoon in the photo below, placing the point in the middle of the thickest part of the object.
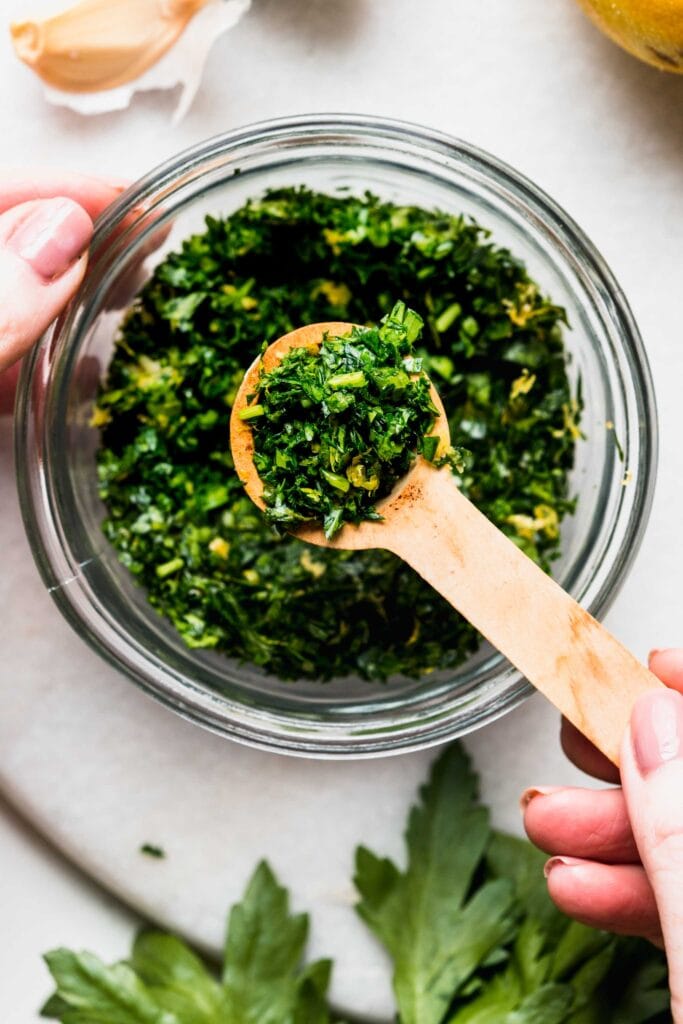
(561, 649)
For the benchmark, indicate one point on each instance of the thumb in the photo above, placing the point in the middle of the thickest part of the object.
(42, 263)
(652, 778)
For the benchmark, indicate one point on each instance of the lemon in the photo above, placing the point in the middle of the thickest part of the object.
(649, 29)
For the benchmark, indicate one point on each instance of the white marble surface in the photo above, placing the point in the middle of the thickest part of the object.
(604, 135)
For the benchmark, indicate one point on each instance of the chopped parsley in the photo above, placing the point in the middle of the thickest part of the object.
(178, 515)
(150, 850)
(335, 429)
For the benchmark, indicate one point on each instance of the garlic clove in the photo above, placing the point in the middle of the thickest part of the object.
(102, 44)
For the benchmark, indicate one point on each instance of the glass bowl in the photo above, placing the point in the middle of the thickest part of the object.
(56, 445)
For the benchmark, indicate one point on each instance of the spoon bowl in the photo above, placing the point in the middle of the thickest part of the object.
(368, 534)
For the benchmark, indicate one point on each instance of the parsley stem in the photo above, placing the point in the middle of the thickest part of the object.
(252, 412)
(355, 379)
(168, 568)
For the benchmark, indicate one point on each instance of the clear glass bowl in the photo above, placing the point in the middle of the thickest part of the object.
(56, 446)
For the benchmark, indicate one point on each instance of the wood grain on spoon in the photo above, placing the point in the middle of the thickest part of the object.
(561, 649)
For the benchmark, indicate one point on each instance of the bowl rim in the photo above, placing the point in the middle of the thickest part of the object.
(264, 730)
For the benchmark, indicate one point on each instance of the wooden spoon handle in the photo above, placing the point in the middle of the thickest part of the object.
(552, 640)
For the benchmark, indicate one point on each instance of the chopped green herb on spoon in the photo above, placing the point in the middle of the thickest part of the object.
(335, 426)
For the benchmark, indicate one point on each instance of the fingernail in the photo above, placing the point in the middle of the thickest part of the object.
(557, 862)
(52, 236)
(657, 729)
(653, 653)
(530, 794)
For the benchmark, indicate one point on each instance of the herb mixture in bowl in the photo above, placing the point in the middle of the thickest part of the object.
(176, 512)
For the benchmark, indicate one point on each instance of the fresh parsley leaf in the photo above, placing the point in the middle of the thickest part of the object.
(548, 1005)
(510, 857)
(177, 979)
(263, 950)
(437, 930)
(503, 1003)
(166, 983)
(633, 990)
(90, 992)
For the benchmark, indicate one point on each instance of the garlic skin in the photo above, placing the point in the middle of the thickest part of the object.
(102, 44)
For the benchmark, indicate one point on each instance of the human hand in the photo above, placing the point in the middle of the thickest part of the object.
(46, 223)
(617, 857)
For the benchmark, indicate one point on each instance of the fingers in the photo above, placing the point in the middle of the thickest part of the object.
(40, 272)
(93, 194)
(594, 876)
(615, 898)
(585, 823)
(652, 777)
(598, 837)
(584, 755)
(42, 262)
(667, 665)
